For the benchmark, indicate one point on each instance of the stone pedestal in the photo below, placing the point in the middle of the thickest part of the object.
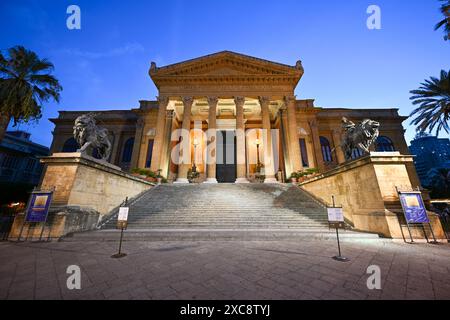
(181, 181)
(366, 189)
(270, 180)
(86, 192)
(242, 180)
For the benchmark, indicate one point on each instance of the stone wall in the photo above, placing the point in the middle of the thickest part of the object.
(366, 188)
(86, 190)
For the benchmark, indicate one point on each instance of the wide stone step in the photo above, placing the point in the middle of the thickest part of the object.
(214, 215)
(191, 234)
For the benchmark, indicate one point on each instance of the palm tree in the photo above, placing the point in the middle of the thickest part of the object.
(434, 100)
(445, 23)
(26, 83)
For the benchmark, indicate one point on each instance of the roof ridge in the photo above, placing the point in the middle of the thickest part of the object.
(224, 52)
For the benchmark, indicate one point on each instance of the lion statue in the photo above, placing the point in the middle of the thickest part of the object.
(89, 136)
(360, 136)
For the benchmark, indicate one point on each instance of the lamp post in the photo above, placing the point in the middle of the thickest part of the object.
(258, 162)
(195, 143)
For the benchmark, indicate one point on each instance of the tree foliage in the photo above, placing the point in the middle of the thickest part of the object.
(26, 83)
(433, 98)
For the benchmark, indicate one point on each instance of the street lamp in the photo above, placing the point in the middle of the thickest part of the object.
(195, 143)
(258, 162)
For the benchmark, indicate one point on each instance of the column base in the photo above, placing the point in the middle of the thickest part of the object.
(181, 181)
(242, 180)
(270, 180)
(211, 180)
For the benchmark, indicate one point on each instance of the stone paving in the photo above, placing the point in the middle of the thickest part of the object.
(224, 270)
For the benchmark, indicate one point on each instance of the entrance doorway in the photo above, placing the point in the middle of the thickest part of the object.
(226, 156)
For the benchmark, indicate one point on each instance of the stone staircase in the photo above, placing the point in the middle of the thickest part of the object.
(225, 206)
(221, 212)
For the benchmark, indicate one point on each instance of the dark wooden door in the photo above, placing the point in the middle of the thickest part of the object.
(226, 157)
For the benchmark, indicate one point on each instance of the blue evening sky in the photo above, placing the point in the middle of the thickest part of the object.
(105, 65)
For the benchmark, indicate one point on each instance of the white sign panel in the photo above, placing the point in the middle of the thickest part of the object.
(123, 214)
(335, 214)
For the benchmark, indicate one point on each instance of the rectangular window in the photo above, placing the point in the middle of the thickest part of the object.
(304, 152)
(148, 161)
(30, 164)
(10, 162)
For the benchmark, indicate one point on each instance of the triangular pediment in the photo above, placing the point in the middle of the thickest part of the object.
(226, 63)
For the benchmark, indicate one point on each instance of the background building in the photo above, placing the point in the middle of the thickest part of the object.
(430, 152)
(20, 169)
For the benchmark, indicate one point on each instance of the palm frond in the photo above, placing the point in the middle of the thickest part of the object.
(26, 83)
(433, 98)
(444, 23)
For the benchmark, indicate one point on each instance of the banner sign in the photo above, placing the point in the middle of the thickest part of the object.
(413, 207)
(37, 210)
(122, 220)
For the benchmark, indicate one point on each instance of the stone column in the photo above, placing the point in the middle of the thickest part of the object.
(115, 153)
(159, 135)
(212, 140)
(166, 150)
(137, 143)
(317, 146)
(269, 170)
(240, 140)
(340, 157)
(183, 167)
(285, 142)
(294, 144)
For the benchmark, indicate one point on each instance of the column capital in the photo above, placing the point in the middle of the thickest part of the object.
(212, 101)
(289, 99)
(239, 101)
(140, 123)
(264, 101)
(163, 101)
(188, 101)
(312, 123)
(337, 131)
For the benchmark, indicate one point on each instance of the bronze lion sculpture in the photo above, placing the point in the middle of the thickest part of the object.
(358, 136)
(89, 136)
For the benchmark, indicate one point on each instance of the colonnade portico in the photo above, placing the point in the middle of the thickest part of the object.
(185, 161)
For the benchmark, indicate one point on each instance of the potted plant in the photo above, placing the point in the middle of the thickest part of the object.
(159, 177)
(145, 174)
(301, 176)
(137, 172)
(192, 175)
(294, 177)
(311, 172)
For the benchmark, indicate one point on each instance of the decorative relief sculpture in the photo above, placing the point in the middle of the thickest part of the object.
(358, 136)
(89, 136)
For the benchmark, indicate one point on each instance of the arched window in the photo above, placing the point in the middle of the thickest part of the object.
(357, 153)
(128, 150)
(384, 144)
(326, 149)
(70, 145)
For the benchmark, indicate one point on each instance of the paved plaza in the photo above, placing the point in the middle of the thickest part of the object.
(224, 270)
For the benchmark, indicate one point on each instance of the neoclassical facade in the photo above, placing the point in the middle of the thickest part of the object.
(242, 120)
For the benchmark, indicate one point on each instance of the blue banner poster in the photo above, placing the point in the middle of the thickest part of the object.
(413, 207)
(38, 208)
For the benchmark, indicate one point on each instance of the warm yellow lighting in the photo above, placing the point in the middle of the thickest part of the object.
(196, 143)
(257, 142)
